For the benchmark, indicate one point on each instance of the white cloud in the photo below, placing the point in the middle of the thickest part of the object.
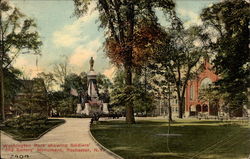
(193, 17)
(82, 54)
(64, 38)
(110, 72)
(72, 34)
(28, 66)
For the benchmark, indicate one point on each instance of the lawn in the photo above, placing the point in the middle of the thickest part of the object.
(199, 139)
(25, 134)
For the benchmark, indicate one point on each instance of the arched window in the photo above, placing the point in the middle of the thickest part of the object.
(205, 83)
(192, 108)
(198, 108)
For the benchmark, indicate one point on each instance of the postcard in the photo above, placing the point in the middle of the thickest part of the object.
(124, 79)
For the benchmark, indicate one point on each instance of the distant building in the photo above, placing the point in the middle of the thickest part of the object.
(193, 106)
(161, 106)
(31, 98)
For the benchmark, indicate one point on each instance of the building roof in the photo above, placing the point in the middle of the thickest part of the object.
(35, 85)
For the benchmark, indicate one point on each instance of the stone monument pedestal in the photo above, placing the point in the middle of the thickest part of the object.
(93, 104)
(105, 108)
(79, 108)
(86, 109)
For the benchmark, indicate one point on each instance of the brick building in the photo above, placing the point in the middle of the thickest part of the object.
(193, 105)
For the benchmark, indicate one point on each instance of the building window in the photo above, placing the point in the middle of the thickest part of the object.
(191, 92)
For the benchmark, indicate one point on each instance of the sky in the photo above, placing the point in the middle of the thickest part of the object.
(78, 39)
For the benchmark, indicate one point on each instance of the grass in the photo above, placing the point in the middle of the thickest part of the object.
(24, 134)
(200, 139)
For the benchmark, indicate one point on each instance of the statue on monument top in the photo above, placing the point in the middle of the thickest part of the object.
(91, 63)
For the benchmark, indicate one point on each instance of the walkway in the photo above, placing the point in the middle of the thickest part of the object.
(74, 134)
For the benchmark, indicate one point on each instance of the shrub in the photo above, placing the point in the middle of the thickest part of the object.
(27, 121)
(75, 116)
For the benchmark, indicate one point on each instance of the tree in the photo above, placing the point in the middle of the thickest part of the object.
(132, 28)
(17, 34)
(103, 83)
(141, 99)
(229, 23)
(164, 88)
(12, 87)
(215, 98)
(61, 71)
(61, 103)
(32, 97)
(177, 58)
(12, 84)
(48, 79)
(80, 83)
(74, 81)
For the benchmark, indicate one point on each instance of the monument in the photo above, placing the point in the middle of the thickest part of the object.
(91, 99)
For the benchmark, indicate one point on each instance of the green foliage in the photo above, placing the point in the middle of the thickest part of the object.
(62, 102)
(131, 30)
(229, 23)
(32, 132)
(103, 83)
(27, 121)
(12, 84)
(67, 105)
(177, 57)
(48, 79)
(80, 83)
(18, 33)
(121, 95)
(76, 82)
(32, 97)
(210, 94)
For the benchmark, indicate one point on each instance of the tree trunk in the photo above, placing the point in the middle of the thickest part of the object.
(180, 108)
(179, 100)
(128, 63)
(2, 93)
(170, 114)
(169, 105)
(130, 119)
(1, 68)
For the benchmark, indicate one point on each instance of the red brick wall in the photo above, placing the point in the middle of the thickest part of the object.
(206, 73)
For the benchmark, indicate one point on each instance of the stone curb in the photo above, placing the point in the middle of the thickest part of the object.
(30, 139)
(103, 147)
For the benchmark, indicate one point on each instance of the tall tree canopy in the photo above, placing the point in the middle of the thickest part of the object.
(61, 70)
(131, 30)
(141, 95)
(48, 79)
(229, 21)
(12, 84)
(178, 56)
(17, 35)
